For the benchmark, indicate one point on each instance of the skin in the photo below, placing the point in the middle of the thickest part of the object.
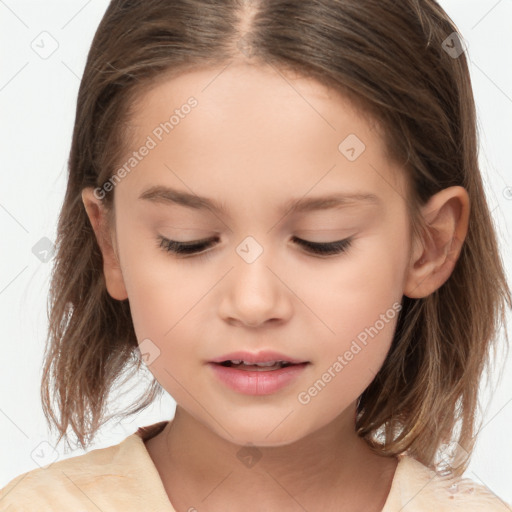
(256, 139)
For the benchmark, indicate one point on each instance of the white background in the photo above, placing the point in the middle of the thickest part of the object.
(37, 101)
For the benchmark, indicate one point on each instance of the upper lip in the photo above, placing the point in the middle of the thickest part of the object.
(264, 356)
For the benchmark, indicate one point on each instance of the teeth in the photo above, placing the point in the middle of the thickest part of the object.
(268, 363)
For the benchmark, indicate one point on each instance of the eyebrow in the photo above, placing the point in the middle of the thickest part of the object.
(167, 195)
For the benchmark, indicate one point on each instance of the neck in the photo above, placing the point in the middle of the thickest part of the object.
(331, 467)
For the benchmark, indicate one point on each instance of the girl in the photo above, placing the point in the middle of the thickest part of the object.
(277, 207)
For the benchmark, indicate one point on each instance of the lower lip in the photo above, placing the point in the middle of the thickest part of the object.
(254, 382)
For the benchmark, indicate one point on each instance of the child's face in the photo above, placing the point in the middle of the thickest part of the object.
(253, 142)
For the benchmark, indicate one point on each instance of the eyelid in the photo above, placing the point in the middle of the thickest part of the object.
(177, 247)
(325, 248)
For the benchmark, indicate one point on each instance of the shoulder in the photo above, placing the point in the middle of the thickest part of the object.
(118, 477)
(417, 488)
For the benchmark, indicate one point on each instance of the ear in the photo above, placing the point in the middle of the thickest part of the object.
(107, 243)
(432, 261)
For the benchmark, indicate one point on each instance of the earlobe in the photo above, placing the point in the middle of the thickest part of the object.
(433, 259)
(111, 267)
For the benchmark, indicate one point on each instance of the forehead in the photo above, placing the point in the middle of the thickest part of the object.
(243, 130)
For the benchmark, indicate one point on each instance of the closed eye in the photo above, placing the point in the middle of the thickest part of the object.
(325, 248)
(198, 247)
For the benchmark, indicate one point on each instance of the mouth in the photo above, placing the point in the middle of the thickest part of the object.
(262, 361)
(268, 366)
(257, 377)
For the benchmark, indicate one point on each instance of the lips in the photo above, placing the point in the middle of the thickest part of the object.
(254, 380)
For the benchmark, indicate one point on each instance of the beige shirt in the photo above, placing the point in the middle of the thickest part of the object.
(123, 478)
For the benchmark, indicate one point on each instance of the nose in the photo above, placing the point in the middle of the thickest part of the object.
(253, 294)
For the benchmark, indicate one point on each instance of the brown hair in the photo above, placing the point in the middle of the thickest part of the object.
(390, 58)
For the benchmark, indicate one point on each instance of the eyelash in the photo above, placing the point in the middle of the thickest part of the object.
(189, 249)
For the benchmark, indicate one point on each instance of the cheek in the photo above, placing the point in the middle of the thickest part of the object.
(354, 289)
(358, 300)
(162, 308)
(362, 320)
(159, 292)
